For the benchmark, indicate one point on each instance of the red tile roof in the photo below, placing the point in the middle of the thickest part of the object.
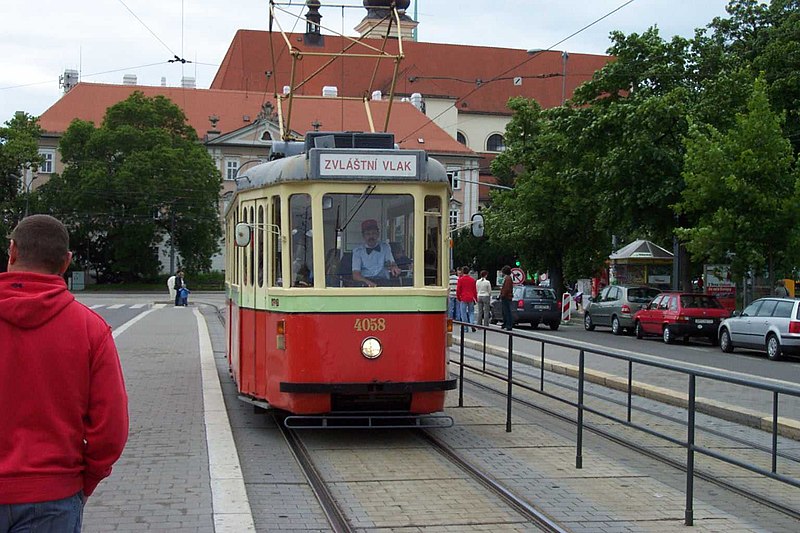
(432, 69)
(89, 101)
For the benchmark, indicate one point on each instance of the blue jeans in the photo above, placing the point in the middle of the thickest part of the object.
(57, 516)
(455, 309)
(467, 312)
(508, 316)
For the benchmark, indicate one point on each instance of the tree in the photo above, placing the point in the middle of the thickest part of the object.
(140, 178)
(543, 220)
(19, 154)
(741, 186)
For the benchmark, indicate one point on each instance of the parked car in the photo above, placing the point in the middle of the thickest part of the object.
(531, 304)
(674, 315)
(616, 305)
(768, 324)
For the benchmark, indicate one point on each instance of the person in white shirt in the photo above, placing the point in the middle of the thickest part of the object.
(484, 287)
(373, 262)
(453, 311)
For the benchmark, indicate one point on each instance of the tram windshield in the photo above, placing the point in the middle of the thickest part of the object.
(369, 239)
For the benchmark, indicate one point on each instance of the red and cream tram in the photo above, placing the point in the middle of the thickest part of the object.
(335, 279)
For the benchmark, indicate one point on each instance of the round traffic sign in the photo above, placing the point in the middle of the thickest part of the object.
(517, 275)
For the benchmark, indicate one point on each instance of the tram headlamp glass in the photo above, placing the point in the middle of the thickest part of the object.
(371, 348)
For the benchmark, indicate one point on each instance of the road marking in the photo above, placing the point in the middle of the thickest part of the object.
(137, 306)
(116, 306)
(97, 306)
(232, 511)
(121, 329)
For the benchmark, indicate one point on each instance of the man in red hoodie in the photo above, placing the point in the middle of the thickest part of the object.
(63, 405)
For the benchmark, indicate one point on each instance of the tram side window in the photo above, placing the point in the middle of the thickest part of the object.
(277, 255)
(368, 239)
(433, 237)
(234, 251)
(244, 251)
(302, 239)
(260, 246)
(251, 250)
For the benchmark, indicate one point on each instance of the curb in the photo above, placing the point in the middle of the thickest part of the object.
(787, 427)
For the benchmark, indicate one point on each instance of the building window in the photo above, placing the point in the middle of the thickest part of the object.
(495, 143)
(231, 168)
(452, 177)
(460, 137)
(48, 159)
(453, 218)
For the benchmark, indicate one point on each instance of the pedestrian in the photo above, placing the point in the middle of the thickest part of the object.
(781, 290)
(467, 295)
(171, 286)
(454, 311)
(506, 295)
(484, 287)
(65, 409)
(180, 283)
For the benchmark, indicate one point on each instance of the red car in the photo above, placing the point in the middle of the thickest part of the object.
(674, 315)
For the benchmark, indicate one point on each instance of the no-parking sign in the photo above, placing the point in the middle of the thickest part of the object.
(517, 276)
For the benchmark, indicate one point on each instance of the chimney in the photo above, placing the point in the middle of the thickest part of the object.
(163, 81)
(187, 82)
(129, 79)
(416, 101)
(68, 80)
(376, 95)
(330, 91)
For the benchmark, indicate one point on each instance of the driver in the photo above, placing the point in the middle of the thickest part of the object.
(373, 261)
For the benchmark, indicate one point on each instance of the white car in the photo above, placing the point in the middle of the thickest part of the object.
(771, 325)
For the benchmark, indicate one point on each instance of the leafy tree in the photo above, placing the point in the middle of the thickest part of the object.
(18, 154)
(139, 179)
(741, 187)
(543, 220)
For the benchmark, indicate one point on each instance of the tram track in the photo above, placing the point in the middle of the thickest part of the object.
(664, 459)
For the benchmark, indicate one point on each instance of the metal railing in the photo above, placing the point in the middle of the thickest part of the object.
(691, 372)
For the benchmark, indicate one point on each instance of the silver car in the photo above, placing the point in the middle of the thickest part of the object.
(771, 325)
(616, 305)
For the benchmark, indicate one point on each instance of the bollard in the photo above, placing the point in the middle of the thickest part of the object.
(566, 307)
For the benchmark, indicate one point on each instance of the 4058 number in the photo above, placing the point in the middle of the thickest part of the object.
(370, 324)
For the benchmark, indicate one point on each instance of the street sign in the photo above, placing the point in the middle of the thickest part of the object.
(517, 275)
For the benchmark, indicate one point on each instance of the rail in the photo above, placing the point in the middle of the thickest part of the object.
(692, 373)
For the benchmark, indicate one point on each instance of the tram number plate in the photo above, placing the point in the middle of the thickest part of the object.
(370, 324)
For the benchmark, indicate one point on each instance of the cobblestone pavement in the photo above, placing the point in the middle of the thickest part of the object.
(163, 480)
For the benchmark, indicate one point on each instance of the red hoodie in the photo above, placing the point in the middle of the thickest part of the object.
(63, 406)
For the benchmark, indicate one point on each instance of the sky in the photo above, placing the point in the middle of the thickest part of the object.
(105, 39)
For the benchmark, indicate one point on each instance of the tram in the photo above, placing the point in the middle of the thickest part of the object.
(336, 284)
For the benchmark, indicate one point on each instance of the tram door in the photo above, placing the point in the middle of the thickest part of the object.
(248, 309)
(261, 248)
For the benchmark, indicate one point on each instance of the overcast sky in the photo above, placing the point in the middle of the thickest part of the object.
(105, 39)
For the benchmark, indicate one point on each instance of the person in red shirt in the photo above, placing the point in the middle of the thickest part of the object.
(467, 295)
(65, 409)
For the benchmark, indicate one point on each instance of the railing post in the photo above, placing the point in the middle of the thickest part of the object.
(581, 375)
(541, 369)
(461, 371)
(510, 381)
(774, 432)
(689, 515)
(484, 350)
(630, 388)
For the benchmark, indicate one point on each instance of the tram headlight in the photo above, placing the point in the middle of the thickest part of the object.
(371, 348)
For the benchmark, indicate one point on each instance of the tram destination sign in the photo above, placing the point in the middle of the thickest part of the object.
(365, 164)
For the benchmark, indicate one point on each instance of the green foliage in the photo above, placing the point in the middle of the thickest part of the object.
(19, 153)
(139, 179)
(741, 186)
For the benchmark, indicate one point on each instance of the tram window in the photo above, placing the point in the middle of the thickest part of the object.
(277, 255)
(433, 237)
(302, 240)
(234, 250)
(260, 245)
(251, 249)
(245, 261)
(358, 225)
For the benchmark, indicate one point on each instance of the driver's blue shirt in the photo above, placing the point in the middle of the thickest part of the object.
(374, 263)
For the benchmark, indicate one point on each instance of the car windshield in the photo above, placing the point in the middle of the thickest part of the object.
(534, 293)
(642, 295)
(699, 302)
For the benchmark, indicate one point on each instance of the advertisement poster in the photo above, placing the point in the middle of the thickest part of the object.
(718, 282)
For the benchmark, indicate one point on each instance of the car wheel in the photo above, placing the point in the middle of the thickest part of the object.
(554, 325)
(668, 336)
(588, 325)
(637, 330)
(725, 343)
(616, 328)
(773, 348)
